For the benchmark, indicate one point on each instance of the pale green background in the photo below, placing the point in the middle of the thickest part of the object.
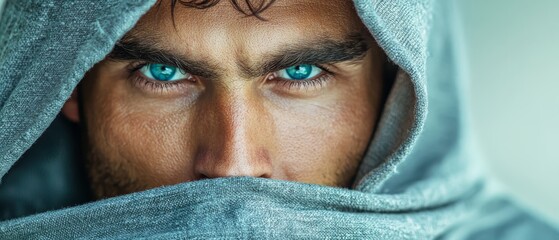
(513, 48)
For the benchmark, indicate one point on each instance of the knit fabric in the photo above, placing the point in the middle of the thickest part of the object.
(420, 179)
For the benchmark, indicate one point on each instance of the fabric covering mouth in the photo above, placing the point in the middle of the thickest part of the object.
(420, 177)
(242, 207)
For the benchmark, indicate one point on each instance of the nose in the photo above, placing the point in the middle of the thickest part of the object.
(234, 138)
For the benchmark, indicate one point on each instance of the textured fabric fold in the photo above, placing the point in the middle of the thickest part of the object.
(245, 208)
(420, 178)
(71, 37)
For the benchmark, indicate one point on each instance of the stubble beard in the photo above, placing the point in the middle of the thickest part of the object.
(108, 177)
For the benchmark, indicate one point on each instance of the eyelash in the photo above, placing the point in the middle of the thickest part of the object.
(315, 82)
(161, 87)
(154, 86)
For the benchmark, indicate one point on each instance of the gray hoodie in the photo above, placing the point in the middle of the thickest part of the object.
(420, 178)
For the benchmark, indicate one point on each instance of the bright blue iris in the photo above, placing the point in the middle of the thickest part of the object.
(299, 72)
(162, 72)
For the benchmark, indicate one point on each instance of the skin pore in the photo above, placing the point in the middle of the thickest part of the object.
(219, 94)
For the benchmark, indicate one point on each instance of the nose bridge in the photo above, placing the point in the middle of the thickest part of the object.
(238, 120)
(234, 149)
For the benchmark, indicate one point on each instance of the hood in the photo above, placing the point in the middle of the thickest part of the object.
(419, 179)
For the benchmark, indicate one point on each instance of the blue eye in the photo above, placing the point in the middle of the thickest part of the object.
(162, 72)
(299, 72)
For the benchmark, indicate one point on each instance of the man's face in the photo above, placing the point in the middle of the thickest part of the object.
(294, 97)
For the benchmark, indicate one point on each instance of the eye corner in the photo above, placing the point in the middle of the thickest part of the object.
(271, 76)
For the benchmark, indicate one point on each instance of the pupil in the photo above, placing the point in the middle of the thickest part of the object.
(299, 72)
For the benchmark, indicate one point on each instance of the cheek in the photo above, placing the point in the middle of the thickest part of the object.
(146, 137)
(319, 139)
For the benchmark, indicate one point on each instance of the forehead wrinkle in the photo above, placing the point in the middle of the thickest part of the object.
(246, 69)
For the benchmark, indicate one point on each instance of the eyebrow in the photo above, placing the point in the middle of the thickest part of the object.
(133, 50)
(324, 51)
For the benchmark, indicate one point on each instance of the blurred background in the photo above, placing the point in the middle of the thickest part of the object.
(513, 49)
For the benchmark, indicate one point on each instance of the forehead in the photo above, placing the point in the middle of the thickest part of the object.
(223, 29)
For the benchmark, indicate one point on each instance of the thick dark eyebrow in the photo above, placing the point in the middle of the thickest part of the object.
(144, 51)
(326, 51)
